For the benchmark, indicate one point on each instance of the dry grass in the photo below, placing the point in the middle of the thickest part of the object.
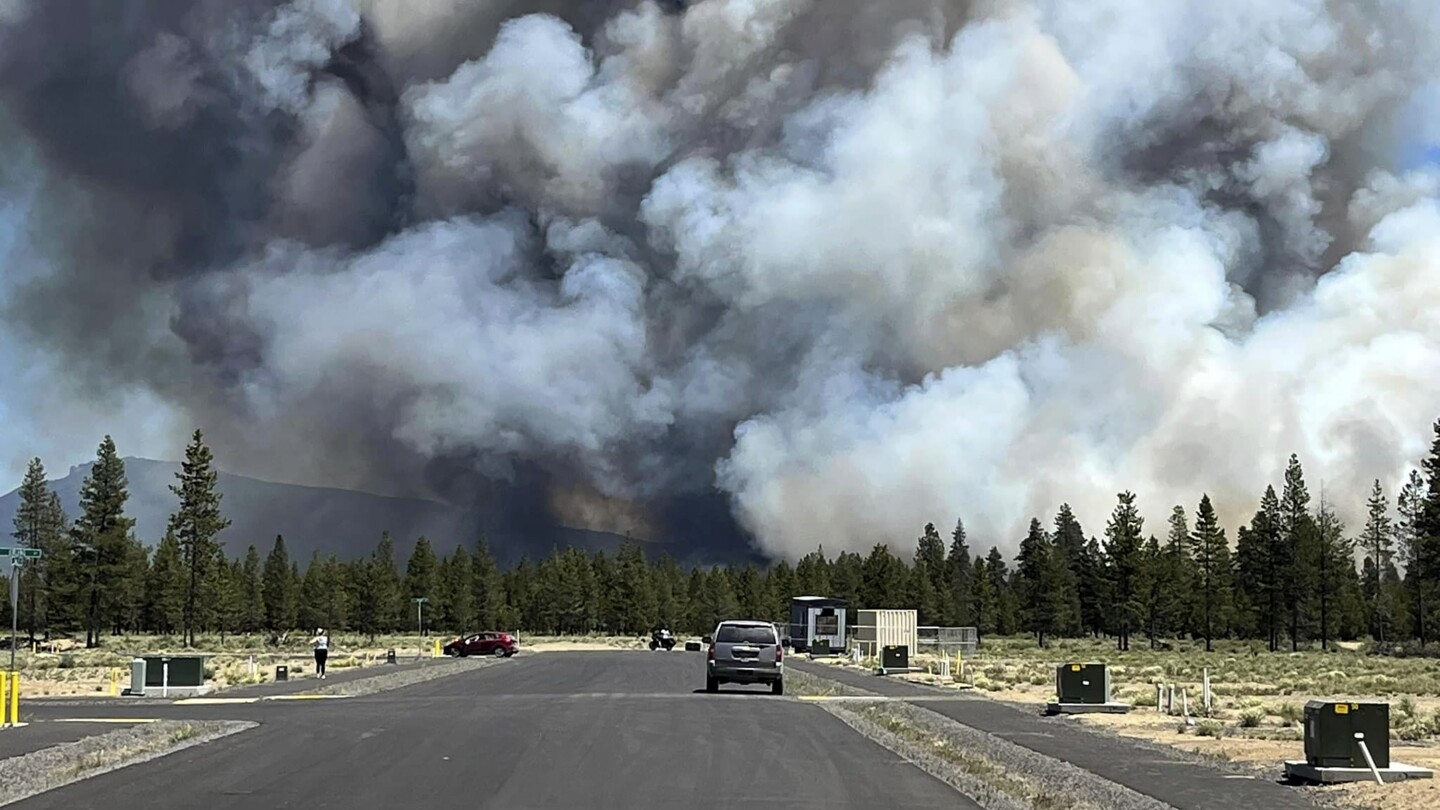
(1258, 700)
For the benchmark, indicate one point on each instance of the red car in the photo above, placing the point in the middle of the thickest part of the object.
(487, 643)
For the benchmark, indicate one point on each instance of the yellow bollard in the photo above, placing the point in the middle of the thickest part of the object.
(15, 698)
(114, 682)
(5, 695)
(435, 653)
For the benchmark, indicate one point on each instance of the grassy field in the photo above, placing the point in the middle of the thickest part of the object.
(1257, 706)
(71, 670)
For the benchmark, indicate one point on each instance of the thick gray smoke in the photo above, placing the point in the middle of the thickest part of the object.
(856, 265)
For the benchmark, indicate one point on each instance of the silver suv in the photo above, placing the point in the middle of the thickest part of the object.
(745, 652)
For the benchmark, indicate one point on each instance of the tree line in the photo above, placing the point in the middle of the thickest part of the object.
(1291, 577)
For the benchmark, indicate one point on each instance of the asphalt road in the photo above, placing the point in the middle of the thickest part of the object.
(593, 730)
(1151, 770)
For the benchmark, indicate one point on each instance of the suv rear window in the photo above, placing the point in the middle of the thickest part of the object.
(740, 634)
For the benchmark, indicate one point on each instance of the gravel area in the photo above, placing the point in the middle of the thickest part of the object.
(404, 677)
(996, 773)
(50, 768)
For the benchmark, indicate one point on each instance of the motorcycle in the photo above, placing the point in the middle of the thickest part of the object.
(662, 638)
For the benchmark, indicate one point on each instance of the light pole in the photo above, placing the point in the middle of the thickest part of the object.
(419, 621)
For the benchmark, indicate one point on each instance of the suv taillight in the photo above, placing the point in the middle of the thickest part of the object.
(779, 653)
(711, 656)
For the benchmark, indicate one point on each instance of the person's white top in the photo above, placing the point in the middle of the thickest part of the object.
(321, 642)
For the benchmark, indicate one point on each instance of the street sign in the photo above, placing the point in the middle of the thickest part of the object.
(7, 551)
(20, 552)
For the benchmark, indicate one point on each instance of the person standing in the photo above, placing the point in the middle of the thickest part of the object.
(321, 643)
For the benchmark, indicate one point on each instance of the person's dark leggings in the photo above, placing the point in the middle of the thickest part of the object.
(320, 661)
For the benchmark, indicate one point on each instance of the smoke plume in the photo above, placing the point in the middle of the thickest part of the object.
(848, 266)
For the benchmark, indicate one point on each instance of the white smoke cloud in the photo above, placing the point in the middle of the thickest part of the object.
(976, 259)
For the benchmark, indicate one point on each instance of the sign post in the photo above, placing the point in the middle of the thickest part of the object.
(419, 622)
(17, 556)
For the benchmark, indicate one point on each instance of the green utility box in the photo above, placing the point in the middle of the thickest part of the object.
(183, 670)
(1082, 683)
(895, 656)
(1332, 729)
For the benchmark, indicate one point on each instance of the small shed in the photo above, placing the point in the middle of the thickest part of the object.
(817, 618)
(877, 629)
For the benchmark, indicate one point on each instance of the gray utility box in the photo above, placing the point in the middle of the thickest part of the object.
(137, 677)
(1331, 730)
(895, 656)
(1083, 683)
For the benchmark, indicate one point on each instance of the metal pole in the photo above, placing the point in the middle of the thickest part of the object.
(14, 606)
(1360, 741)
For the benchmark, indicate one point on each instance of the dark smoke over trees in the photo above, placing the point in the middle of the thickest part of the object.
(729, 269)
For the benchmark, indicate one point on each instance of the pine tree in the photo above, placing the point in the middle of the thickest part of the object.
(39, 522)
(196, 523)
(101, 540)
(1298, 571)
(1261, 555)
(882, 579)
(1152, 578)
(1094, 588)
(1376, 542)
(1124, 553)
(751, 597)
(1035, 590)
(1427, 541)
(458, 580)
(930, 564)
(336, 581)
(165, 587)
(1005, 607)
(1409, 532)
(422, 579)
(252, 593)
(278, 589)
(488, 592)
(780, 580)
(313, 606)
(1070, 543)
(961, 576)
(636, 594)
(1212, 560)
(983, 597)
(812, 574)
(1334, 554)
(222, 594)
(1177, 574)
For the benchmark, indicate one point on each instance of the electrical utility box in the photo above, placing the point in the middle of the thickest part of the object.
(1083, 683)
(895, 656)
(1332, 730)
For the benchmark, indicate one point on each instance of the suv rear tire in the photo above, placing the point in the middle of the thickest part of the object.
(711, 685)
(778, 687)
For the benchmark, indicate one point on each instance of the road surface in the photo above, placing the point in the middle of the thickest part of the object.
(625, 730)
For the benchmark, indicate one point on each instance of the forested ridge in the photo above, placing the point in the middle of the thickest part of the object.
(1294, 576)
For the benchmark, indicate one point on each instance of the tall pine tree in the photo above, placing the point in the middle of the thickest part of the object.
(1375, 540)
(961, 576)
(1125, 557)
(196, 523)
(1212, 564)
(102, 544)
(39, 522)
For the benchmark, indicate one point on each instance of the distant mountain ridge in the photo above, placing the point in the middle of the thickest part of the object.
(343, 522)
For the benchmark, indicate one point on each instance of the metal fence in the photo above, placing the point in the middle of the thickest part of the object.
(948, 640)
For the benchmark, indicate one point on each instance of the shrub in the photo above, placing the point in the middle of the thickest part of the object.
(1250, 718)
(1290, 713)
(67, 661)
(1209, 728)
(1406, 706)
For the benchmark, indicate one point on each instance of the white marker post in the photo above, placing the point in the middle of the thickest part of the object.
(1360, 741)
(1207, 691)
